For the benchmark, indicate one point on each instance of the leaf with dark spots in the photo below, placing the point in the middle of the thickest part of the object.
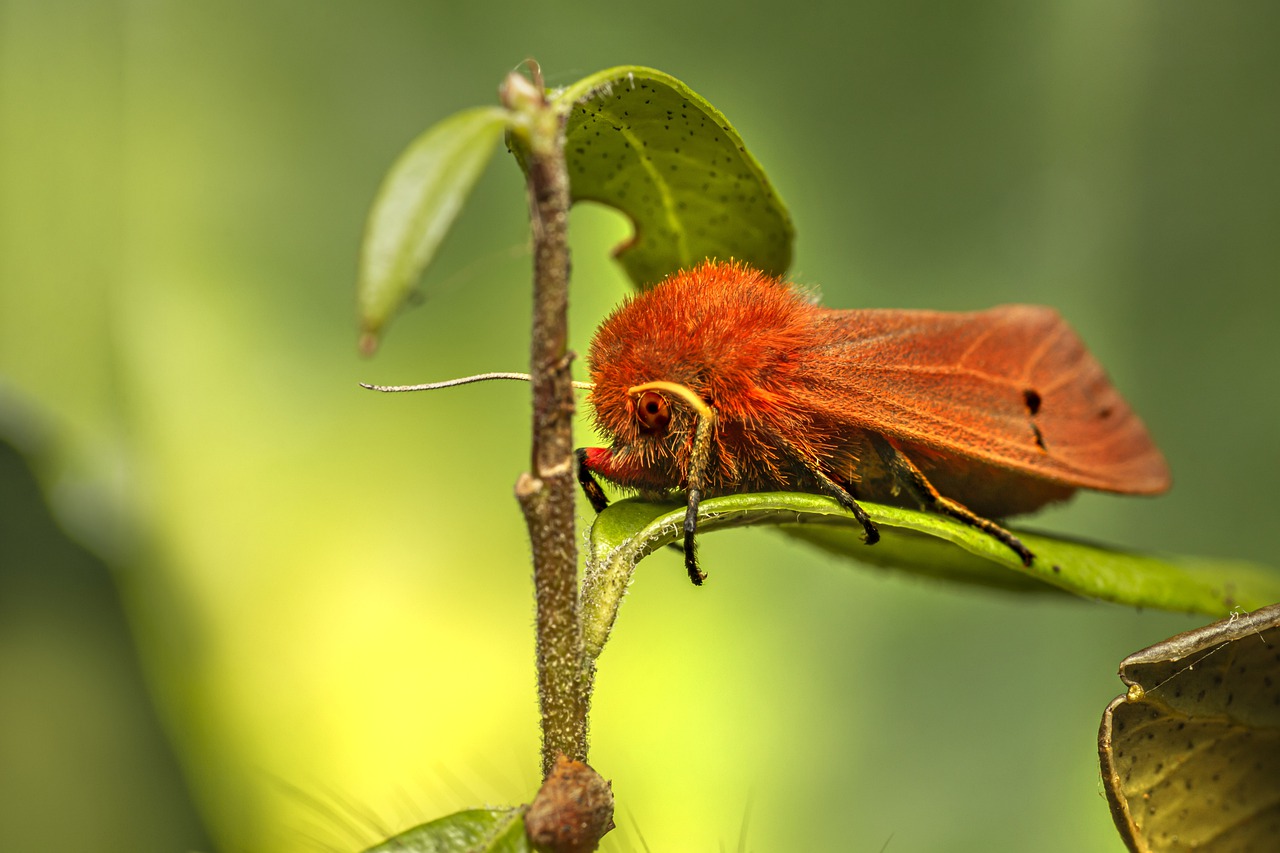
(657, 169)
(1190, 755)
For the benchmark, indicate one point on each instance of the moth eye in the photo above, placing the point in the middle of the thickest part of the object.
(652, 409)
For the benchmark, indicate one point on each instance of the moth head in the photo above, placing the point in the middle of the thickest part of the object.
(647, 422)
(661, 418)
(652, 403)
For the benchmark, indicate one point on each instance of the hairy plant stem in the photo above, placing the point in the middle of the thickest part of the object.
(547, 494)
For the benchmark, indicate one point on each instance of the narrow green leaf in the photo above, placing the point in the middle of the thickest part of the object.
(643, 142)
(472, 831)
(1190, 755)
(920, 543)
(415, 207)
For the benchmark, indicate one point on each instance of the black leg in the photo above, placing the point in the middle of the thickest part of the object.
(600, 501)
(914, 480)
(690, 541)
(843, 495)
(699, 462)
(870, 535)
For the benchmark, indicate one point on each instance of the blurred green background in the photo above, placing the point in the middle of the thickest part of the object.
(327, 592)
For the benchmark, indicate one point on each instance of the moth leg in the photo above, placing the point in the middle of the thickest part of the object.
(690, 538)
(600, 501)
(699, 462)
(590, 487)
(913, 479)
(871, 535)
(842, 494)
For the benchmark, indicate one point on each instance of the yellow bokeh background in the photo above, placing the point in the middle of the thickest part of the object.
(328, 591)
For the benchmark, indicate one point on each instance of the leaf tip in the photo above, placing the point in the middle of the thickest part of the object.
(368, 343)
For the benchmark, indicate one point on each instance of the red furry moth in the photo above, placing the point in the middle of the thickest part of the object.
(723, 380)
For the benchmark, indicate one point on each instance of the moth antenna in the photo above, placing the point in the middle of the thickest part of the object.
(465, 380)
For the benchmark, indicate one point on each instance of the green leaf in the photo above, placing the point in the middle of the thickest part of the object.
(921, 543)
(1192, 751)
(643, 142)
(415, 207)
(472, 831)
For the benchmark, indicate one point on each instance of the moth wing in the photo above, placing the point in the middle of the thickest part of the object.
(1012, 387)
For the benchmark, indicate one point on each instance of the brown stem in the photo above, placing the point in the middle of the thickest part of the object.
(547, 494)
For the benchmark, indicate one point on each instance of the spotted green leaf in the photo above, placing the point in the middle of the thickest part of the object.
(646, 144)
